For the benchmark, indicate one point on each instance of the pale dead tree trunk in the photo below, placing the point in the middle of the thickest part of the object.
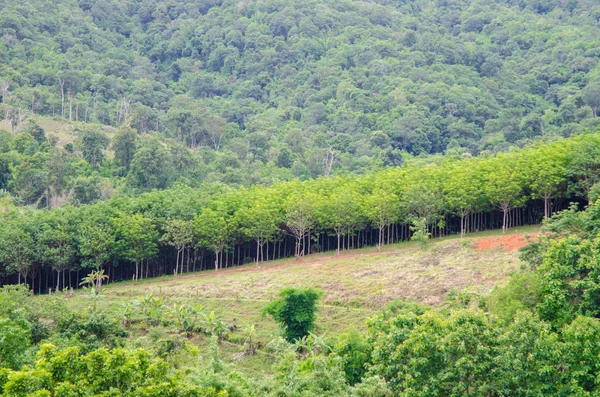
(217, 260)
(4, 89)
(123, 110)
(257, 249)
(94, 106)
(547, 205)
(505, 207)
(62, 97)
(328, 160)
(463, 214)
(70, 104)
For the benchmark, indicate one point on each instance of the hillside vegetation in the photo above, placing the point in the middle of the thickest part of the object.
(299, 198)
(258, 91)
(183, 230)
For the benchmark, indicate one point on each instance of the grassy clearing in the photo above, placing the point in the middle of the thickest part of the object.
(356, 284)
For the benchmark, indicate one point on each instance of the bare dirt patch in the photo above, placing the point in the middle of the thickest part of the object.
(506, 243)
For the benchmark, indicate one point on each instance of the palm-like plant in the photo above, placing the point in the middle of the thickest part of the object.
(126, 311)
(187, 317)
(251, 331)
(311, 344)
(152, 308)
(213, 325)
(94, 280)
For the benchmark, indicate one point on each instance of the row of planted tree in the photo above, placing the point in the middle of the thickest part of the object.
(183, 230)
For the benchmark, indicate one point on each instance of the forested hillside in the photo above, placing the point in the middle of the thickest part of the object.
(258, 91)
(183, 229)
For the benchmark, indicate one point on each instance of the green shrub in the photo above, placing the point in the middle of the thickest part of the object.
(354, 354)
(521, 293)
(295, 311)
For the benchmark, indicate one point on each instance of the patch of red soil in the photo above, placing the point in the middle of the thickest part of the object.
(507, 243)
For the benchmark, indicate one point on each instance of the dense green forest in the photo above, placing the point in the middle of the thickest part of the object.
(184, 229)
(260, 91)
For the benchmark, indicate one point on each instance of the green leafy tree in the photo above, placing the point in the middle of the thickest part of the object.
(179, 234)
(124, 144)
(96, 242)
(583, 169)
(150, 165)
(212, 230)
(295, 311)
(92, 143)
(136, 240)
(299, 219)
(260, 222)
(382, 210)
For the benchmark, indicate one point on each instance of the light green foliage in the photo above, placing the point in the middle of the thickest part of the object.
(295, 311)
(420, 233)
(570, 280)
(136, 239)
(354, 353)
(523, 292)
(14, 341)
(212, 231)
(125, 373)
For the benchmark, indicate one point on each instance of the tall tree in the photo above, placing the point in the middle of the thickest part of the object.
(124, 144)
(212, 230)
(299, 219)
(179, 233)
(136, 240)
(92, 142)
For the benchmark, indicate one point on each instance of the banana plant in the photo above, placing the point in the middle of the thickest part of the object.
(126, 311)
(152, 308)
(94, 280)
(187, 317)
(213, 325)
(311, 344)
(250, 331)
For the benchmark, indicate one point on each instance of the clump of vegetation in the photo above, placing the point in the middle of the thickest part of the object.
(295, 311)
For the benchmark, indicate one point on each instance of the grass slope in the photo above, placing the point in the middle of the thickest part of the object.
(356, 284)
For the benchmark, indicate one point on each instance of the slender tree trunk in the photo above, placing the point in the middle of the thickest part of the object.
(338, 242)
(257, 250)
(70, 105)
(62, 98)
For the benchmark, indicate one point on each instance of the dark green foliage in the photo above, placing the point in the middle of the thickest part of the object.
(92, 142)
(93, 331)
(37, 132)
(295, 311)
(330, 81)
